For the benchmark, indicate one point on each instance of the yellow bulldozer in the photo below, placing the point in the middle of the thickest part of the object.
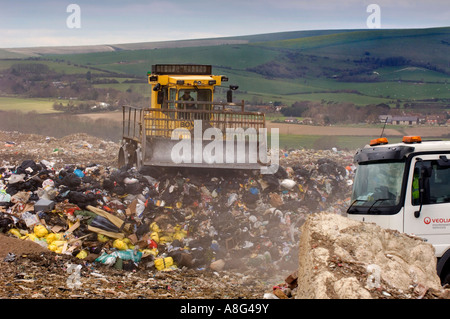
(186, 127)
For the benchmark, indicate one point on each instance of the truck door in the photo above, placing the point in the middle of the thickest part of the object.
(427, 213)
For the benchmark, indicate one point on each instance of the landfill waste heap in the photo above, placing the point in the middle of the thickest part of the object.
(68, 197)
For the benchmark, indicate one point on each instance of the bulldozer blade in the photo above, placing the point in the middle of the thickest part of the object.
(200, 153)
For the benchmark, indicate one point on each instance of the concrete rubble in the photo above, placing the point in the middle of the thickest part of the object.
(340, 258)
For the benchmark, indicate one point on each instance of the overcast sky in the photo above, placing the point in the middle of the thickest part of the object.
(28, 23)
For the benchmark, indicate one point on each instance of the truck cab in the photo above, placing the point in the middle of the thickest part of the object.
(406, 187)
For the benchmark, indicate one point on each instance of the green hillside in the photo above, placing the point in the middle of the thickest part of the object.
(394, 67)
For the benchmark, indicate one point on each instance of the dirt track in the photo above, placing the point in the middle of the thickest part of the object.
(296, 129)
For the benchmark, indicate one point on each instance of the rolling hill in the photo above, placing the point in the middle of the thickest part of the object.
(394, 67)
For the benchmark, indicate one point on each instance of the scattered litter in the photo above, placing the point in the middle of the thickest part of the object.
(75, 202)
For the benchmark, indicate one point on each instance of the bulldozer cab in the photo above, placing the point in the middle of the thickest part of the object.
(185, 127)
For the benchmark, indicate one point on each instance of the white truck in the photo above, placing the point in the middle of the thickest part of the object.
(406, 187)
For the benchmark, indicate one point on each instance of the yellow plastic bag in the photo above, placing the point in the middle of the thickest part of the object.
(154, 227)
(155, 237)
(163, 263)
(120, 244)
(102, 238)
(32, 237)
(165, 239)
(15, 232)
(82, 254)
(179, 235)
(147, 252)
(40, 231)
(57, 246)
(50, 238)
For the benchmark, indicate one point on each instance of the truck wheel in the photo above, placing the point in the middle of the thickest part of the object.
(443, 268)
(446, 280)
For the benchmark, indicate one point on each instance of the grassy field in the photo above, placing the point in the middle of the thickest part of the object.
(59, 67)
(138, 62)
(27, 105)
(379, 43)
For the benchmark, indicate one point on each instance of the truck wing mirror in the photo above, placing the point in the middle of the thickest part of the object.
(421, 191)
(425, 174)
(443, 161)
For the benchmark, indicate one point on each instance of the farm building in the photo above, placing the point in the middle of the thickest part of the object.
(405, 120)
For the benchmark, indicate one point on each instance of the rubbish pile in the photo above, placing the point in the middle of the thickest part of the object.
(161, 220)
(75, 148)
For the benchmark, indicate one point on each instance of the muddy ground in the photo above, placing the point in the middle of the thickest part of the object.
(37, 273)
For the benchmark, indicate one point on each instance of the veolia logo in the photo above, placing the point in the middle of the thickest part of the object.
(428, 220)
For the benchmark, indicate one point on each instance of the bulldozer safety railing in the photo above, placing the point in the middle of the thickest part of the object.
(132, 123)
(160, 122)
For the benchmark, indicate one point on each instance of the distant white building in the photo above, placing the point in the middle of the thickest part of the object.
(384, 117)
(405, 120)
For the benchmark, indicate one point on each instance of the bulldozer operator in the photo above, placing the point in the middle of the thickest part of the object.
(187, 97)
(188, 106)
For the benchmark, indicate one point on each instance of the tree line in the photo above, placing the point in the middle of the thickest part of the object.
(37, 80)
(334, 113)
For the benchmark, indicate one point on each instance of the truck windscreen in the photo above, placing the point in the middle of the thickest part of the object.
(377, 185)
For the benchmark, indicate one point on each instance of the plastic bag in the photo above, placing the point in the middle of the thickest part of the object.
(288, 183)
(103, 223)
(57, 246)
(82, 254)
(4, 196)
(110, 259)
(78, 172)
(15, 232)
(163, 263)
(120, 244)
(50, 238)
(40, 231)
(231, 199)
